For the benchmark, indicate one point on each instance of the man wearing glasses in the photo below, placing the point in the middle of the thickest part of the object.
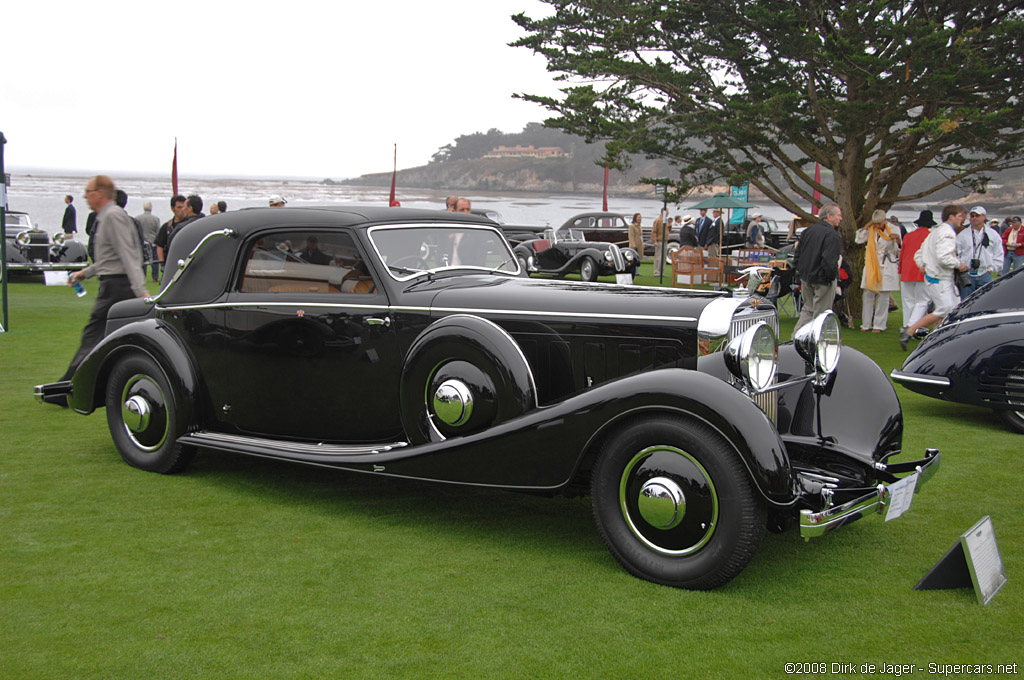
(118, 264)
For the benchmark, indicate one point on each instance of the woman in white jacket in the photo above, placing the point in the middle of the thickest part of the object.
(881, 273)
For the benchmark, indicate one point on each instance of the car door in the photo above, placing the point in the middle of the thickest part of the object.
(310, 352)
(612, 229)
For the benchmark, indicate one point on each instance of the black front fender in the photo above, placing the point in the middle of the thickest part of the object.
(150, 336)
(545, 447)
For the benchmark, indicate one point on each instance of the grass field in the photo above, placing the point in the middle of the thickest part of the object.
(242, 568)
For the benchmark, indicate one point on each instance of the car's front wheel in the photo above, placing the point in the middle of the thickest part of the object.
(1013, 420)
(674, 503)
(588, 269)
(670, 251)
(146, 417)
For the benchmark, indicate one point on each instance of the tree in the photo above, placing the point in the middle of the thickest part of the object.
(760, 90)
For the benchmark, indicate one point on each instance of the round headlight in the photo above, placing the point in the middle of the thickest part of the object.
(58, 238)
(23, 238)
(608, 255)
(819, 342)
(752, 357)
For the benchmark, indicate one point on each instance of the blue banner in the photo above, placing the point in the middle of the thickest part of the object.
(739, 215)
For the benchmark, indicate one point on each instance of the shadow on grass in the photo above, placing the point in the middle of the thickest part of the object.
(561, 523)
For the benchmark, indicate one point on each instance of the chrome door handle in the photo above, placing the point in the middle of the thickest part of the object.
(374, 321)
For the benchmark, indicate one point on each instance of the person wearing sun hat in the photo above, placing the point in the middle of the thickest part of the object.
(277, 201)
(881, 273)
(915, 301)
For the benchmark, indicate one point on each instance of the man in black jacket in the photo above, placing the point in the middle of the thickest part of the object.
(817, 264)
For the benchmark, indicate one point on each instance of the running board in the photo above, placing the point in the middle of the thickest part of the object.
(279, 448)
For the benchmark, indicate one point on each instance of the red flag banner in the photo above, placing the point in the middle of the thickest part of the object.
(604, 202)
(391, 201)
(174, 169)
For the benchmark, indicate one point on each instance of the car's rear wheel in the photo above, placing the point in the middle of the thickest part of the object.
(146, 417)
(674, 503)
(588, 269)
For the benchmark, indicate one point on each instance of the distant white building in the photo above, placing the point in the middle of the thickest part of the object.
(525, 152)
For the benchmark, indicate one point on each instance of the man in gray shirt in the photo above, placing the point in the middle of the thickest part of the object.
(118, 264)
(150, 224)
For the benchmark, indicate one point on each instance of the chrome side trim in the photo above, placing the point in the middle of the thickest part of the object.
(994, 316)
(220, 440)
(900, 376)
(815, 524)
(183, 264)
(428, 310)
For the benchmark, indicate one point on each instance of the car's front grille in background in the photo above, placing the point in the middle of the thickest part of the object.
(617, 259)
(748, 317)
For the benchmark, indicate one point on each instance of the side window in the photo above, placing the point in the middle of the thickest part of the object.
(306, 262)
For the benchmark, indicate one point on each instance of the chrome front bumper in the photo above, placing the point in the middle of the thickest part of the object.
(814, 524)
(51, 390)
(46, 266)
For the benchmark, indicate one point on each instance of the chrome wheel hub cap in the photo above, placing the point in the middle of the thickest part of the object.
(662, 503)
(136, 413)
(453, 402)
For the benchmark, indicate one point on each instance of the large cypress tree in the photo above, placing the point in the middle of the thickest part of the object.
(875, 91)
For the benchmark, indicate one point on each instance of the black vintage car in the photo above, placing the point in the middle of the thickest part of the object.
(566, 251)
(31, 249)
(409, 344)
(976, 355)
(614, 228)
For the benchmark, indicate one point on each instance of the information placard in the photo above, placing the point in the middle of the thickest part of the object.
(984, 560)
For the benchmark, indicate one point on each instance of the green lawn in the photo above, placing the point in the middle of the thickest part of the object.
(243, 568)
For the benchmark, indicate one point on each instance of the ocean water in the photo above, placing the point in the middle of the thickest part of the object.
(42, 196)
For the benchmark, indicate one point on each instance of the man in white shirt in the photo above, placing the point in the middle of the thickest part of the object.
(980, 247)
(937, 259)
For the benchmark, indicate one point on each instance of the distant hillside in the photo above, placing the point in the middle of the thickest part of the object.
(460, 168)
(544, 175)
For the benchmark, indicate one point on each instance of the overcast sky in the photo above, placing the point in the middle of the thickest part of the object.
(297, 88)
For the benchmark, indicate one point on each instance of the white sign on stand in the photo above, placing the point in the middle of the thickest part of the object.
(974, 560)
(55, 278)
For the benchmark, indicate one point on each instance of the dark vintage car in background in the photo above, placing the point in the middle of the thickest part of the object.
(976, 355)
(409, 344)
(31, 249)
(614, 228)
(561, 252)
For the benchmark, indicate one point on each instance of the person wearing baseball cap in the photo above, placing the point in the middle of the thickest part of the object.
(979, 247)
(277, 201)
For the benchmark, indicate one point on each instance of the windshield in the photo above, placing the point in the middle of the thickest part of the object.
(17, 220)
(407, 251)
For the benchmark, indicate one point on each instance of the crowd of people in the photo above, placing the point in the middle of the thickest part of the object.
(934, 265)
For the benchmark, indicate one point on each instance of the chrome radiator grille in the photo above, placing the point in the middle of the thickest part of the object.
(747, 317)
(617, 259)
